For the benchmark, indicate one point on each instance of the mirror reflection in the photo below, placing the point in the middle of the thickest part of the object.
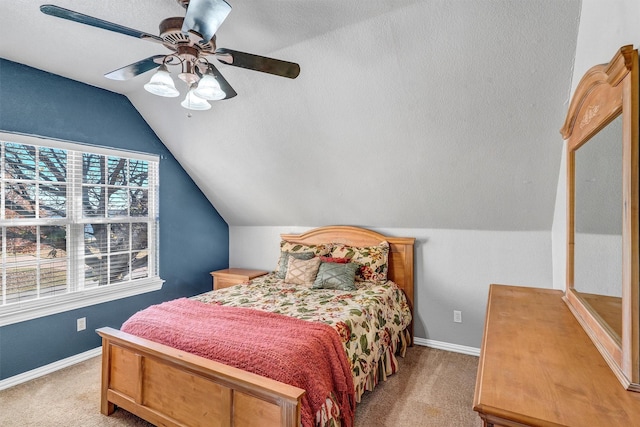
(598, 225)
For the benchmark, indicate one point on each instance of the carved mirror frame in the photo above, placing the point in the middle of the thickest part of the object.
(605, 92)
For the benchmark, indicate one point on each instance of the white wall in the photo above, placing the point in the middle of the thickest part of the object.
(455, 267)
(453, 271)
(604, 27)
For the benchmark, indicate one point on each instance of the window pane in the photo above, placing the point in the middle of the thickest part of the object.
(53, 277)
(93, 171)
(139, 173)
(95, 271)
(36, 267)
(139, 236)
(95, 239)
(53, 200)
(140, 254)
(20, 200)
(20, 161)
(21, 268)
(21, 282)
(96, 247)
(93, 199)
(119, 268)
(21, 243)
(53, 242)
(53, 260)
(140, 265)
(119, 238)
(52, 165)
(117, 171)
(118, 202)
(52, 188)
(139, 203)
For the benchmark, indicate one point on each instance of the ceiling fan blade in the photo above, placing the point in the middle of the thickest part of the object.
(60, 12)
(132, 70)
(224, 85)
(205, 17)
(258, 63)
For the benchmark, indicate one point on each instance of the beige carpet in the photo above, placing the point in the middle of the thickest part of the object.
(433, 388)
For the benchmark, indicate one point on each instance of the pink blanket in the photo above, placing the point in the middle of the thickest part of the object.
(305, 354)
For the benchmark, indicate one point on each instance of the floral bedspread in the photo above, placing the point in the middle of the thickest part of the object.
(370, 320)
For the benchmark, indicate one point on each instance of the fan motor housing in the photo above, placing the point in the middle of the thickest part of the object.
(171, 33)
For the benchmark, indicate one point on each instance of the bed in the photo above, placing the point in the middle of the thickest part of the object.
(172, 387)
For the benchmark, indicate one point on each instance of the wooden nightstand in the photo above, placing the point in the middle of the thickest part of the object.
(233, 276)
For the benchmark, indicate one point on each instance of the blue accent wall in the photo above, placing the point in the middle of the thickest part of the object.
(194, 239)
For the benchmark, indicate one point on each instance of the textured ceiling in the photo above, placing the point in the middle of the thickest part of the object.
(417, 114)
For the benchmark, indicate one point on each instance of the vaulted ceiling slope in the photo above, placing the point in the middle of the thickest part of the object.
(417, 114)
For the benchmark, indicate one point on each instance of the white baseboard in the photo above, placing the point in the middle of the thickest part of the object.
(51, 367)
(456, 348)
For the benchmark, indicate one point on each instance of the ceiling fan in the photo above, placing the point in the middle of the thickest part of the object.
(191, 40)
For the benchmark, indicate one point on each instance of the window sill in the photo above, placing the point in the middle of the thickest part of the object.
(33, 309)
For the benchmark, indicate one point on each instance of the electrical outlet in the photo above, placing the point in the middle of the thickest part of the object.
(457, 316)
(81, 324)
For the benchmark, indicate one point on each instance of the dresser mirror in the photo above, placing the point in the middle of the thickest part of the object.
(597, 251)
(601, 130)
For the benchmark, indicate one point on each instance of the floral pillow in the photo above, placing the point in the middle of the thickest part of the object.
(373, 260)
(336, 260)
(302, 271)
(317, 250)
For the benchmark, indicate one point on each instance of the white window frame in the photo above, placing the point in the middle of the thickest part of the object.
(78, 298)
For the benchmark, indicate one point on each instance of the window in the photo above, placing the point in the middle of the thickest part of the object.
(78, 226)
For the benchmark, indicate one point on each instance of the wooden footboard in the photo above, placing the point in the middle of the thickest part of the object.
(170, 387)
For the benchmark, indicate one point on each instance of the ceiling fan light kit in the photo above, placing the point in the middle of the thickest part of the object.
(203, 88)
(191, 39)
(161, 84)
(208, 88)
(194, 102)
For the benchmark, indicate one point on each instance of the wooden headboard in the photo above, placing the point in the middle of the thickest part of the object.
(400, 254)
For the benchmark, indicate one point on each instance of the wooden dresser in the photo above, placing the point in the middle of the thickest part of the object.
(539, 368)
